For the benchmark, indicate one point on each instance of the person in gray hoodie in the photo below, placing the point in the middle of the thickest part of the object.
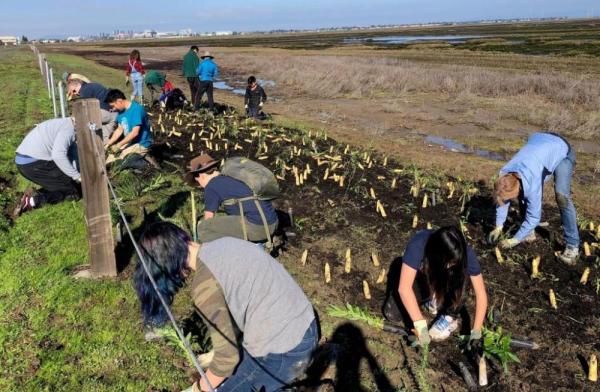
(47, 156)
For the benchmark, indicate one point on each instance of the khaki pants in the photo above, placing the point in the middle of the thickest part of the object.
(135, 148)
(109, 123)
(231, 226)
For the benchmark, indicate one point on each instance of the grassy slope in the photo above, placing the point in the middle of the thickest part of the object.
(57, 333)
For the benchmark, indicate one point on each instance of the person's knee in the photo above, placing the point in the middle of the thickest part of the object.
(562, 200)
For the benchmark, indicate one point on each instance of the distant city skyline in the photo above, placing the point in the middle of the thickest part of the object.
(63, 18)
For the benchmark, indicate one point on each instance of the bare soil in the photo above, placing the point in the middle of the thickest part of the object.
(330, 218)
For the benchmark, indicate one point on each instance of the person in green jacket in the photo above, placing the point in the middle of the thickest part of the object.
(190, 64)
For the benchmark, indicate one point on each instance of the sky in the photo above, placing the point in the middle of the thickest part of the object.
(62, 18)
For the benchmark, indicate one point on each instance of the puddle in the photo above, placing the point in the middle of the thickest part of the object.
(239, 86)
(404, 39)
(453, 146)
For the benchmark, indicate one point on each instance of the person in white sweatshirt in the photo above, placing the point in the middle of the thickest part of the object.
(47, 156)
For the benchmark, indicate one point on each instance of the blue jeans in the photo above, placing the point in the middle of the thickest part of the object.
(273, 371)
(562, 190)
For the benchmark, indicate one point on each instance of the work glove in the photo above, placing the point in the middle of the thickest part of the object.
(115, 149)
(260, 104)
(246, 107)
(422, 333)
(494, 235)
(474, 343)
(509, 243)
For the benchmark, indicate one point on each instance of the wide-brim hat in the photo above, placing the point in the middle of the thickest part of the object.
(200, 164)
(207, 54)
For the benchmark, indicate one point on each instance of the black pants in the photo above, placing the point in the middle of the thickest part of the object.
(194, 83)
(205, 87)
(56, 186)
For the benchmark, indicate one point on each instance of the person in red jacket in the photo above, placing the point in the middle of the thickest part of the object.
(135, 74)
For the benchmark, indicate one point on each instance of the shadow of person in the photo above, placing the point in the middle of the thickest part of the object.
(343, 355)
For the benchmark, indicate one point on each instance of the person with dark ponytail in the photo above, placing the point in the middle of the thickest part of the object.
(236, 286)
(444, 261)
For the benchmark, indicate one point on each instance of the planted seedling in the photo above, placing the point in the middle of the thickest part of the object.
(366, 290)
(552, 298)
(304, 257)
(327, 273)
(355, 313)
(348, 264)
(496, 344)
(535, 264)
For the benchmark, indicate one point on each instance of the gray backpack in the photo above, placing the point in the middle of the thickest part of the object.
(260, 180)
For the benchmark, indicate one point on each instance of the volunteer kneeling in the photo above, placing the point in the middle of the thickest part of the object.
(236, 286)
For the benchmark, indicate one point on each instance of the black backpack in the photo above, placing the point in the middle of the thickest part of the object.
(175, 99)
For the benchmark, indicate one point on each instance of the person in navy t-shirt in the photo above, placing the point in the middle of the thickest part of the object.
(219, 188)
(133, 133)
(443, 258)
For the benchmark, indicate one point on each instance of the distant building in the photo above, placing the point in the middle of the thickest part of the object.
(219, 33)
(9, 40)
(74, 39)
(185, 32)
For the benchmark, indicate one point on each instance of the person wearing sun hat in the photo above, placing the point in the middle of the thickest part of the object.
(218, 188)
(207, 72)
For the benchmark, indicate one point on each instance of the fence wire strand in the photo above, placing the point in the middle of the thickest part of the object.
(92, 127)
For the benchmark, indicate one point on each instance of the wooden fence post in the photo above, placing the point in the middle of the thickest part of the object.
(95, 188)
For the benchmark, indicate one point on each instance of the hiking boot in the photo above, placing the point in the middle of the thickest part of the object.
(25, 204)
(443, 328)
(530, 238)
(569, 256)
(432, 306)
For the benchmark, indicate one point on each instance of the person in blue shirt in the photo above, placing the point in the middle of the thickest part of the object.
(133, 134)
(444, 261)
(523, 178)
(207, 72)
(219, 188)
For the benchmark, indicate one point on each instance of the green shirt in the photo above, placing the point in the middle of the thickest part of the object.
(190, 63)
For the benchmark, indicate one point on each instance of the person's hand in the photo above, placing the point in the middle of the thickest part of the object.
(474, 343)
(115, 149)
(246, 107)
(260, 104)
(494, 235)
(509, 243)
(78, 180)
(422, 333)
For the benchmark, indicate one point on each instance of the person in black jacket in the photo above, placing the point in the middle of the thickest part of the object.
(254, 99)
(79, 89)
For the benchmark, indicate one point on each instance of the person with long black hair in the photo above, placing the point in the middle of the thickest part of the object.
(236, 287)
(444, 261)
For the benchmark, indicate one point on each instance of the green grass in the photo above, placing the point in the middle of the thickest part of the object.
(58, 333)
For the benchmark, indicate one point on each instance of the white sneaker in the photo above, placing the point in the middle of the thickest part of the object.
(443, 328)
(432, 306)
(569, 256)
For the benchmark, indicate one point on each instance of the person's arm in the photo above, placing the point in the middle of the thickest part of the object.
(135, 131)
(211, 305)
(128, 69)
(115, 136)
(533, 214)
(209, 214)
(407, 295)
(481, 301)
(501, 214)
(216, 74)
(60, 154)
(247, 97)
(263, 95)
(212, 200)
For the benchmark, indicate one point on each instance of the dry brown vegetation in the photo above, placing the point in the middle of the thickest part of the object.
(560, 101)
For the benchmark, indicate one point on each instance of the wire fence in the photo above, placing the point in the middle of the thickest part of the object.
(48, 75)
